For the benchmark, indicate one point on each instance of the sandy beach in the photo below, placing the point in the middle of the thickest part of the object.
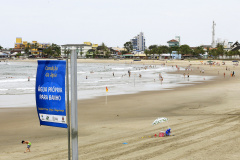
(204, 119)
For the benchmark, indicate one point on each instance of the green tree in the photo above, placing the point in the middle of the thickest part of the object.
(165, 49)
(27, 48)
(174, 48)
(48, 51)
(81, 53)
(1, 47)
(35, 46)
(185, 49)
(128, 46)
(107, 54)
(153, 50)
(219, 50)
(160, 50)
(152, 47)
(96, 53)
(232, 53)
(208, 49)
(18, 54)
(124, 52)
(90, 53)
(101, 49)
(67, 52)
(198, 50)
(213, 53)
(147, 52)
(56, 50)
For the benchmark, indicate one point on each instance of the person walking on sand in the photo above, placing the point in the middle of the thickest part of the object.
(28, 145)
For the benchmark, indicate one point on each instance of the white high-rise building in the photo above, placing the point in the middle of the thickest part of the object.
(138, 42)
(178, 39)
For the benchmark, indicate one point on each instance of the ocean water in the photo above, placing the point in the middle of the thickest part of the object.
(93, 78)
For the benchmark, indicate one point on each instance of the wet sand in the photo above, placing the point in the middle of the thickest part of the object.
(204, 118)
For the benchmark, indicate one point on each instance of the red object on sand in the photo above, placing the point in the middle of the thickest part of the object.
(155, 135)
(161, 134)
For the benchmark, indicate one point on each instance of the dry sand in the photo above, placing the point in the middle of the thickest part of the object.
(204, 118)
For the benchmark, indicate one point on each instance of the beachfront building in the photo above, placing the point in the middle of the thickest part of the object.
(174, 55)
(173, 43)
(138, 42)
(81, 49)
(94, 46)
(34, 48)
(3, 55)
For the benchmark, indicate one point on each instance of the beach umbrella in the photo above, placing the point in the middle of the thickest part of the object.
(160, 120)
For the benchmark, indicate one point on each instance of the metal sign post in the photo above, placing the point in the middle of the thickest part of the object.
(74, 107)
(68, 112)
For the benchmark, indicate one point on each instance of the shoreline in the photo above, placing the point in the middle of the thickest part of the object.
(183, 84)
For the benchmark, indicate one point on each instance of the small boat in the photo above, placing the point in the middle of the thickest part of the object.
(137, 60)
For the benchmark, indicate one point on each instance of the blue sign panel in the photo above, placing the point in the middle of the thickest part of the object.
(50, 93)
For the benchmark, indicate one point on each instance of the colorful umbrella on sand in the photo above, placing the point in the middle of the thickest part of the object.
(159, 120)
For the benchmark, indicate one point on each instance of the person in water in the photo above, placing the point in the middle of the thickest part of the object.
(28, 145)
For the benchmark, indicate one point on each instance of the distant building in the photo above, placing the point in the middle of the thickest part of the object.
(174, 55)
(34, 47)
(118, 49)
(173, 43)
(94, 46)
(81, 49)
(178, 39)
(235, 46)
(138, 42)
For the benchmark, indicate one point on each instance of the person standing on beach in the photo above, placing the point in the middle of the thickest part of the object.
(188, 75)
(129, 73)
(161, 79)
(28, 145)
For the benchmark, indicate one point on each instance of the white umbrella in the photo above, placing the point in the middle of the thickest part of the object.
(159, 120)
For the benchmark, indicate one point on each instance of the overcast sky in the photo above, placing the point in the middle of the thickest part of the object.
(115, 22)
